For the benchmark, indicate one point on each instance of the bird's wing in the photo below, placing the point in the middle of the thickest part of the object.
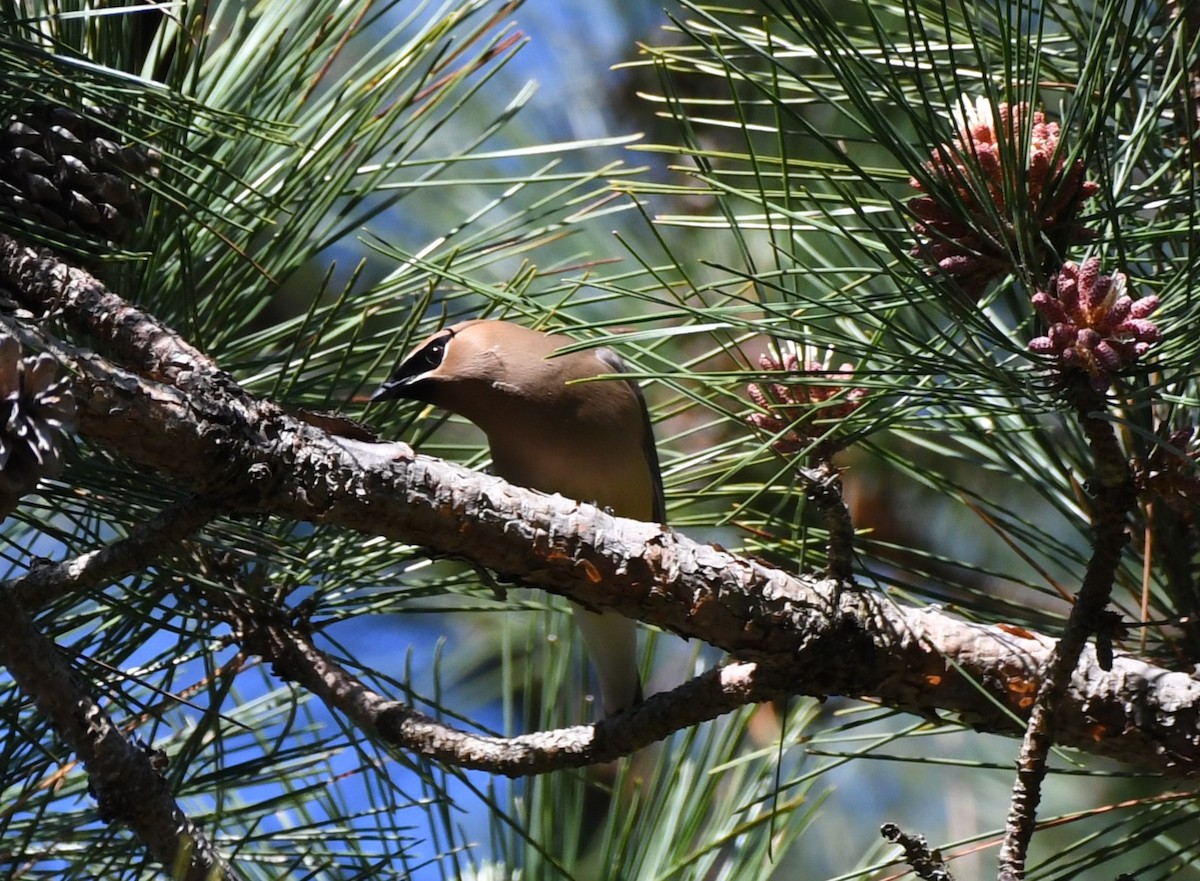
(617, 364)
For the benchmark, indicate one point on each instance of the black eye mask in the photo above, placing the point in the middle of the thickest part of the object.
(402, 383)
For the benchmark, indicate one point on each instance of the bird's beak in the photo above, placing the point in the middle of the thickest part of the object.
(412, 376)
(391, 390)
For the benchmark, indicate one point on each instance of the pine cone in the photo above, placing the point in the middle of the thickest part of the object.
(67, 170)
(35, 405)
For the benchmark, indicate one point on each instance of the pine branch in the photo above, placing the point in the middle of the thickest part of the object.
(44, 584)
(927, 865)
(1114, 500)
(247, 454)
(294, 657)
(127, 788)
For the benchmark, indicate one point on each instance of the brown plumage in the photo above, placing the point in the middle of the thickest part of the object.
(590, 441)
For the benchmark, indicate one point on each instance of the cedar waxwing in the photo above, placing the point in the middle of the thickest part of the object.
(589, 441)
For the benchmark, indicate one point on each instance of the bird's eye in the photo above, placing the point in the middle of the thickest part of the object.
(432, 355)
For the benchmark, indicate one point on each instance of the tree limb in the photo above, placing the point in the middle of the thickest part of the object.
(218, 442)
(1114, 499)
(293, 656)
(126, 786)
(829, 640)
(145, 543)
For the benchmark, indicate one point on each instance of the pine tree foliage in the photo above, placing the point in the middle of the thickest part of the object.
(283, 132)
(857, 215)
(842, 271)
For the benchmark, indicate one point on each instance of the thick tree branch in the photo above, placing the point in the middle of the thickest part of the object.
(829, 640)
(133, 338)
(218, 442)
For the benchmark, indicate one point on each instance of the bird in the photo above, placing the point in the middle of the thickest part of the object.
(589, 441)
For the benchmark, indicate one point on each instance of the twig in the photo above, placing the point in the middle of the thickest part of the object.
(1114, 500)
(1186, 19)
(925, 864)
(293, 656)
(146, 542)
(823, 487)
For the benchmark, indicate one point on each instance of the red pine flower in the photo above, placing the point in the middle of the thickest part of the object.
(1094, 325)
(978, 248)
(799, 412)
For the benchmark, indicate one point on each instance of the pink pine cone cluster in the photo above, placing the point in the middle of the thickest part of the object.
(1094, 325)
(799, 412)
(972, 239)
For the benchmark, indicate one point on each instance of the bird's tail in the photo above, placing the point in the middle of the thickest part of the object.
(611, 641)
